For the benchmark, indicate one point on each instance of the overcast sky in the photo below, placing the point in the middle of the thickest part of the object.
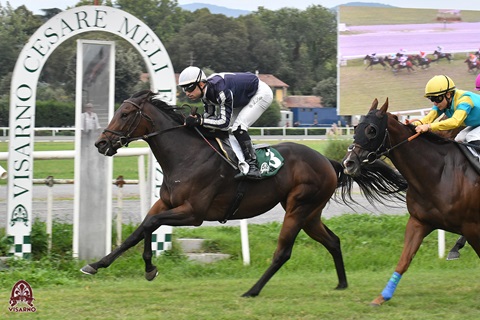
(251, 5)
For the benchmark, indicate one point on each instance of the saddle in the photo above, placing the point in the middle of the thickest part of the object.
(269, 160)
(471, 158)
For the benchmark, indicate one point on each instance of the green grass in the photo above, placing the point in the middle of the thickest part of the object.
(404, 90)
(303, 289)
(362, 16)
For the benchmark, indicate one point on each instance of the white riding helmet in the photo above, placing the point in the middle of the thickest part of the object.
(191, 75)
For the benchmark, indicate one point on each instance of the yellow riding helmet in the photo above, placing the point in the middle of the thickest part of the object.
(439, 85)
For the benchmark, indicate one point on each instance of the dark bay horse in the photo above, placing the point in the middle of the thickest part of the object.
(442, 55)
(423, 63)
(373, 61)
(397, 66)
(199, 185)
(443, 190)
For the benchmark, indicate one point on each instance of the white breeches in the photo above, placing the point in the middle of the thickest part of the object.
(468, 134)
(253, 110)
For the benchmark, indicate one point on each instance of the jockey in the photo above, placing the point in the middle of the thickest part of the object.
(403, 60)
(440, 49)
(374, 57)
(423, 55)
(221, 93)
(402, 57)
(473, 59)
(460, 107)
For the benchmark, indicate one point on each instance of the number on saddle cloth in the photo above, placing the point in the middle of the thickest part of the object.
(269, 160)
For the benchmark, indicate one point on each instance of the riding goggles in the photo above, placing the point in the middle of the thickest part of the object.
(436, 99)
(190, 87)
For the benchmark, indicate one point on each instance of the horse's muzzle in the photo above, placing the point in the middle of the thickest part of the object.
(105, 147)
(350, 166)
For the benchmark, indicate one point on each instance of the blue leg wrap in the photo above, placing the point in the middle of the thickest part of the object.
(387, 293)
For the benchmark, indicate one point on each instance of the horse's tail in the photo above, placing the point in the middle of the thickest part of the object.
(378, 183)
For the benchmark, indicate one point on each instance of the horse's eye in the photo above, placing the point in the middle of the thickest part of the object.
(371, 132)
(350, 148)
(124, 114)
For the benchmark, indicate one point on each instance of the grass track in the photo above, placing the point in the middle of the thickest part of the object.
(404, 90)
(423, 295)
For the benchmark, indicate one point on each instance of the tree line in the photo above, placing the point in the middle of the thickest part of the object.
(296, 46)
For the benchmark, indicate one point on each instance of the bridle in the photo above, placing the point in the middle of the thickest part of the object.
(125, 138)
(382, 150)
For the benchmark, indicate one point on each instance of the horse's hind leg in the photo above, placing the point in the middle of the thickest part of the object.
(290, 229)
(321, 233)
(455, 251)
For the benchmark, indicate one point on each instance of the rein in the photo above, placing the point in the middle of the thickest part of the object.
(384, 153)
(216, 151)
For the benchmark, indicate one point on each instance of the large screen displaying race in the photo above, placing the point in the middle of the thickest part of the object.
(388, 52)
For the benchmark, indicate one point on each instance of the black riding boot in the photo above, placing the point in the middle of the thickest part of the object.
(251, 160)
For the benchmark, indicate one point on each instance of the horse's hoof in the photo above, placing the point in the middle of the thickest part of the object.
(249, 295)
(341, 287)
(88, 270)
(378, 301)
(151, 274)
(453, 255)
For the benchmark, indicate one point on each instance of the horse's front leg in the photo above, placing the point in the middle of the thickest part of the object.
(157, 216)
(131, 241)
(106, 261)
(414, 234)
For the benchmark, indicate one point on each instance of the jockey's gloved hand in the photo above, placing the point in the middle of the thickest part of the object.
(194, 120)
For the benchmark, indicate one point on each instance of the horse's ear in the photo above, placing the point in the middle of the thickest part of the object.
(374, 105)
(384, 107)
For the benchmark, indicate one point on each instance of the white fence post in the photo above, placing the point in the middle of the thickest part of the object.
(245, 242)
(119, 183)
(441, 243)
(49, 183)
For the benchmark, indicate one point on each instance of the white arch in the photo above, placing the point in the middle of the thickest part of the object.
(24, 86)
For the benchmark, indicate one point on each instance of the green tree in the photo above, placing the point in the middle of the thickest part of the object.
(264, 52)
(222, 49)
(16, 26)
(307, 42)
(162, 16)
(327, 89)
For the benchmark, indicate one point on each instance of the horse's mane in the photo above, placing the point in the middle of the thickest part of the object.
(173, 111)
